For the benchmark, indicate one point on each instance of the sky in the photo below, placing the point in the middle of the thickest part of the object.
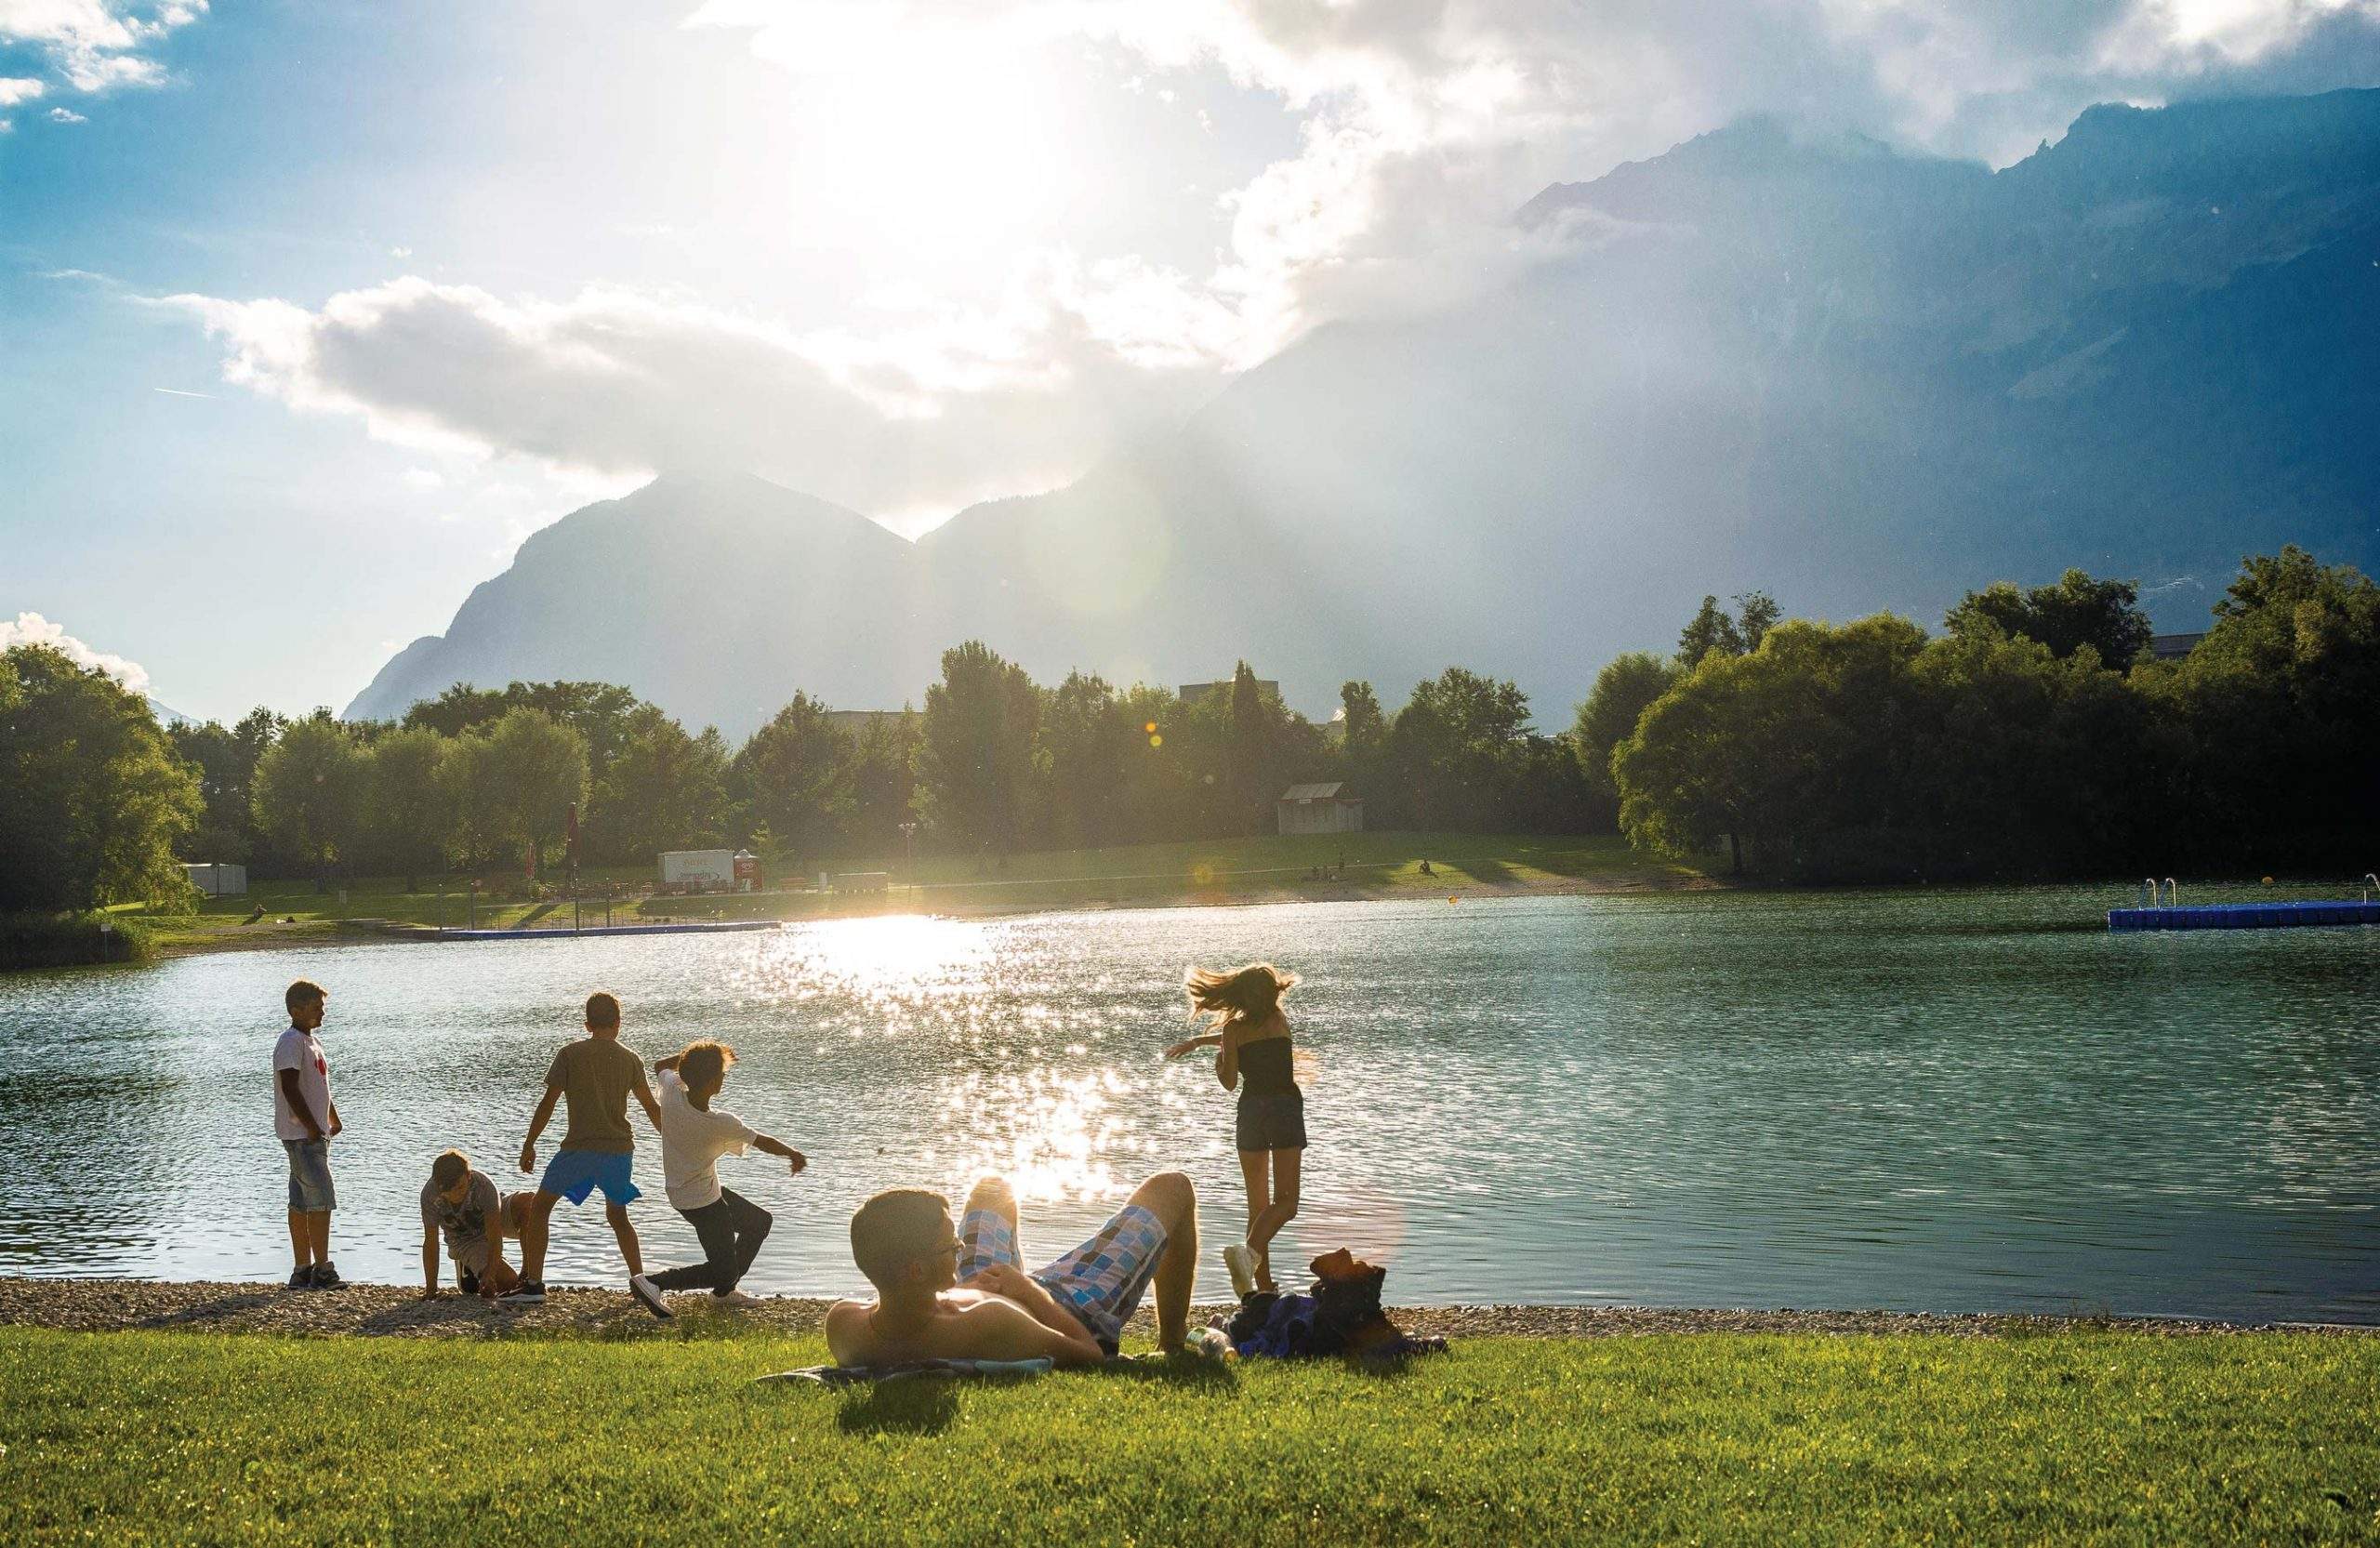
(310, 310)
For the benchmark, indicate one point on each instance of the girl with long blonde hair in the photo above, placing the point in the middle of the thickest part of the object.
(1243, 1008)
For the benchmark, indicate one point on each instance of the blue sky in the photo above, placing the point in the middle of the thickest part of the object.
(312, 312)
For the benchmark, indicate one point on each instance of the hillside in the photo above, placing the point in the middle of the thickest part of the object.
(1859, 378)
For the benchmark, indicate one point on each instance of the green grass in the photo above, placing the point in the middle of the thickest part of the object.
(2075, 1436)
(1226, 870)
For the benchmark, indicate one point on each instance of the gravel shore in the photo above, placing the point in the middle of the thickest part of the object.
(390, 1311)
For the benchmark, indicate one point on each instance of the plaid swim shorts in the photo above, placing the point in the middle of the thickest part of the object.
(1100, 1282)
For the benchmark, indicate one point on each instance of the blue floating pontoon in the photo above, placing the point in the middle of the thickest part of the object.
(563, 933)
(2243, 916)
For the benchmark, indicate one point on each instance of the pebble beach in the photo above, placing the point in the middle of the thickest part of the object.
(390, 1311)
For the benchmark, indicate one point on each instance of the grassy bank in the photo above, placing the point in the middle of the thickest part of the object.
(1220, 871)
(72, 940)
(2123, 1437)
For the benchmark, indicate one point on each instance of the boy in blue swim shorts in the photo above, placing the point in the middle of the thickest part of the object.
(594, 1075)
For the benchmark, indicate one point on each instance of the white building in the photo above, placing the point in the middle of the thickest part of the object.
(214, 878)
(1319, 809)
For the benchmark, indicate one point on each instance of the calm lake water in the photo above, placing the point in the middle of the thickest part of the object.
(1948, 1101)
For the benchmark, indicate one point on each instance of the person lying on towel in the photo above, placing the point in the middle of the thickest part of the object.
(963, 1293)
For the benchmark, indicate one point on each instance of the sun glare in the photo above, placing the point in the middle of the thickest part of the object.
(933, 147)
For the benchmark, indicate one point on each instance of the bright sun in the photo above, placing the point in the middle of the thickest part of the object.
(933, 147)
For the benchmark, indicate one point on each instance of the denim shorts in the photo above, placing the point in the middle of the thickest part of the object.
(575, 1173)
(309, 1176)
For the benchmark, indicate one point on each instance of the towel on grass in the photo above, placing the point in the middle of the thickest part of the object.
(857, 1375)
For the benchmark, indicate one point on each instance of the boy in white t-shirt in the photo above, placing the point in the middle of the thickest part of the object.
(693, 1136)
(305, 1118)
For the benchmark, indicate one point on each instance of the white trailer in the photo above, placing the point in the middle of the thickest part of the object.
(703, 870)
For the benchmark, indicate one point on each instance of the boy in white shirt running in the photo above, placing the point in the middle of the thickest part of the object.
(693, 1136)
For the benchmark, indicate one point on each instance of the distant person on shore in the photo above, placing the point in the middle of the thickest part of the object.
(693, 1136)
(964, 1294)
(595, 1074)
(306, 1120)
(1269, 1129)
(462, 1204)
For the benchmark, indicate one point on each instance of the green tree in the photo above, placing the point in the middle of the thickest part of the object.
(1087, 743)
(1777, 751)
(979, 777)
(883, 784)
(2077, 611)
(1456, 749)
(1756, 613)
(309, 794)
(663, 789)
(92, 797)
(1362, 727)
(795, 775)
(525, 771)
(1621, 691)
(408, 812)
(1709, 632)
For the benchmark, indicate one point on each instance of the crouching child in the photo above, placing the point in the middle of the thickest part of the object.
(463, 1206)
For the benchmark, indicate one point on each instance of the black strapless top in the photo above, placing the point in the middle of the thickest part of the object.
(1264, 1069)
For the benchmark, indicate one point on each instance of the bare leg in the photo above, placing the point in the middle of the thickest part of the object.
(1263, 1229)
(537, 1225)
(625, 1232)
(1170, 1196)
(1255, 1167)
(318, 1235)
(301, 1243)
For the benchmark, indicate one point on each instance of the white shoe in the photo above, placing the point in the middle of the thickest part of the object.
(1240, 1264)
(644, 1290)
(734, 1298)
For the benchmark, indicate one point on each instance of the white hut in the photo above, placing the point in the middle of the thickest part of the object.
(216, 879)
(1319, 809)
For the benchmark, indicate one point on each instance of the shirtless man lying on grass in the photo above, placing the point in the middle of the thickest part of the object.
(944, 1293)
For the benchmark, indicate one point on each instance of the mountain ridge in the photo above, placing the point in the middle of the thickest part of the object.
(1858, 376)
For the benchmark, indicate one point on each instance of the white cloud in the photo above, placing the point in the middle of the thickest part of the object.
(66, 115)
(946, 406)
(18, 88)
(94, 45)
(423, 478)
(32, 629)
(1422, 124)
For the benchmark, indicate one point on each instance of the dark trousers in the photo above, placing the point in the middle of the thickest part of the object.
(731, 1231)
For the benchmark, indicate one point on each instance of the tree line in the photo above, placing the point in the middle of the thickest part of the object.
(993, 764)
(2033, 736)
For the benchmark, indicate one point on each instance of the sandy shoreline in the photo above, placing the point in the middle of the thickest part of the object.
(390, 1311)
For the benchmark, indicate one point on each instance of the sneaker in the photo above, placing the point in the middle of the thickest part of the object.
(326, 1278)
(644, 1290)
(528, 1293)
(732, 1297)
(303, 1276)
(1240, 1264)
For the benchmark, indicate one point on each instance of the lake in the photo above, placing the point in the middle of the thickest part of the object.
(1947, 1101)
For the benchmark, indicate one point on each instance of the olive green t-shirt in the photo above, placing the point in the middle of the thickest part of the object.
(595, 1076)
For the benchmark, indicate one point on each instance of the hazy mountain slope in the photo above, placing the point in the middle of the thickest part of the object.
(714, 596)
(1860, 378)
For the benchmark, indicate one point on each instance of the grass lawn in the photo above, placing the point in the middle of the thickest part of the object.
(1226, 870)
(2114, 1437)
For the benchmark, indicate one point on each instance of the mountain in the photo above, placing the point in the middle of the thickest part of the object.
(1856, 378)
(707, 593)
